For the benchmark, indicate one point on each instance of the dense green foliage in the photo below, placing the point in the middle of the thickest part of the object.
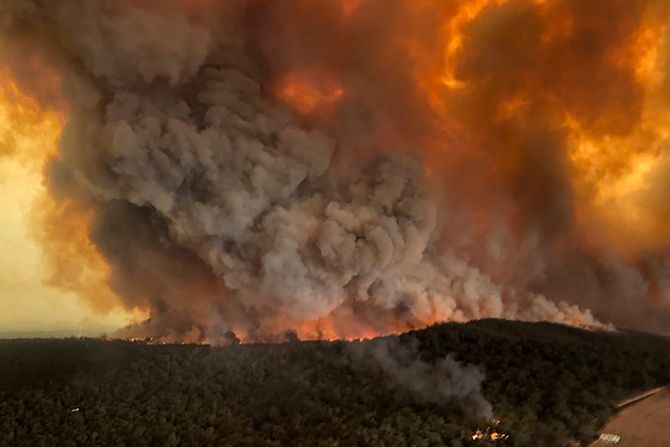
(549, 385)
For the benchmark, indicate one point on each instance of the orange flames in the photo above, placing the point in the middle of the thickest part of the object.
(306, 96)
(334, 328)
(618, 149)
(620, 174)
(27, 131)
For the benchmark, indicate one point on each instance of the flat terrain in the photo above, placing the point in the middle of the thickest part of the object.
(644, 424)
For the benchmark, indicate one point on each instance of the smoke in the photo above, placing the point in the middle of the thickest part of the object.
(438, 383)
(373, 167)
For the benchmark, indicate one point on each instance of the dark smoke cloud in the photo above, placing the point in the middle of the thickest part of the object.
(220, 209)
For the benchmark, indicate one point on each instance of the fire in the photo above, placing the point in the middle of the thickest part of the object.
(490, 433)
(307, 97)
(619, 175)
(340, 325)
(26, 130)
(617, 161)
(542, 128)
(454, 35)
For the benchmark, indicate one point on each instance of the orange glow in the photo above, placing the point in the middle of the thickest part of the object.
(616, 159)
(29, 138)
(543, 120)
(339, 327)
(454, 31)
(615, 174)
(349, 7)
(307, 97)
(26, 130)
(619, 176)
(325, 329)
(62, 229)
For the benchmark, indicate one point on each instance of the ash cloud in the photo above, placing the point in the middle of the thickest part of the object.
(219, 208)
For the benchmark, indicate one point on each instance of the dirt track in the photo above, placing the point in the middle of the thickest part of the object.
(643, 424)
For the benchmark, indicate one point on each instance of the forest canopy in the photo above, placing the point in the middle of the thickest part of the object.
(547, 385)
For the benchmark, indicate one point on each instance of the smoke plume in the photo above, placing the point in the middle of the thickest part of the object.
(351, 168)
(437, 383)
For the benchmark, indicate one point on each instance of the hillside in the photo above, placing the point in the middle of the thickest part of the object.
(548, 385)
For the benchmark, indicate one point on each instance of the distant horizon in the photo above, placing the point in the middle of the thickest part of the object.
(54, 333)
(102, 331)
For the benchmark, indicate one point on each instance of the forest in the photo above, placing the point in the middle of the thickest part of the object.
(547, 385)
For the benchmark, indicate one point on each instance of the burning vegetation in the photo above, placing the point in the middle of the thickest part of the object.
(373, 167)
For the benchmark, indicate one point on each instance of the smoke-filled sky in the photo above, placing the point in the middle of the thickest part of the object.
(30, 301)
(334, 168)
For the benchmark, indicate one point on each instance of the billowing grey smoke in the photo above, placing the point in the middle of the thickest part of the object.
(438, 382)
(246, 189)
(239, 183)
(219, 209)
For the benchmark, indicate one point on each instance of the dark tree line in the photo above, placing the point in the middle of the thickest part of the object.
(550, 385)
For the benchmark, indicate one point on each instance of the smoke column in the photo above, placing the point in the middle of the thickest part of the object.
(438, 383)
(353, 168)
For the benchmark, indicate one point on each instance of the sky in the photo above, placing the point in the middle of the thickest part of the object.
(28, 302)
(321, 183)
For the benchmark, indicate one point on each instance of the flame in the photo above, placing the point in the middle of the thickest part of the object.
(328, 328)
(619, 176)
(478, 116)
(454, 31)
(490, 432)
(26, 130)
(617, 167)
(339, 325)
(307, 97)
